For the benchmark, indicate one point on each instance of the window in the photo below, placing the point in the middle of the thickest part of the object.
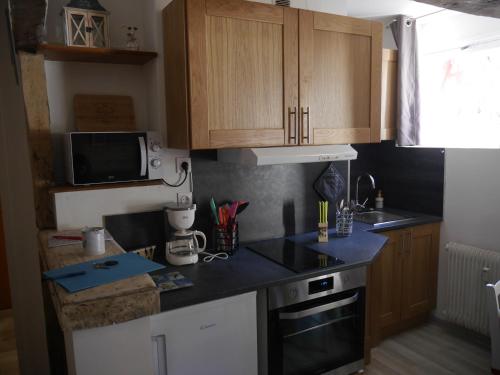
(459, 73)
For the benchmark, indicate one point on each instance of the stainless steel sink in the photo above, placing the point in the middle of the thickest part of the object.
(377, 218)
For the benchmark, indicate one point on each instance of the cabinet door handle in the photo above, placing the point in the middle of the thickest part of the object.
(294, 113)
(159, 355)
(305, 134)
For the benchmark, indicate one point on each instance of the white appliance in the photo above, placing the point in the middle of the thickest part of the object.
(287, 155)
(103, 157)
(183, 248)
(213, 338)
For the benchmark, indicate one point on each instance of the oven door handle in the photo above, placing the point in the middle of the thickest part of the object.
(144, 156)
(319, 309)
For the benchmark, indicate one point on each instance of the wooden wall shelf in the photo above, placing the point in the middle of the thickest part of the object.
(117, 185)
(58, 52)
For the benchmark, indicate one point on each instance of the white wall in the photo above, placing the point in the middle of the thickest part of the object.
(327, 6)
(471, 206)
(146, 85)
(472, 198)
(65, 80)
(123, 12)
(153, 31)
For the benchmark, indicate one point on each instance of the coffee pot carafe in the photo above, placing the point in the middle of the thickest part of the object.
(183, 247)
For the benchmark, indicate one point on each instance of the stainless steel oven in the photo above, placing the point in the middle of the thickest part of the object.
(316, 326)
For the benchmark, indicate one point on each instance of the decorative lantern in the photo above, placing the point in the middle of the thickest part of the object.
(87, 24)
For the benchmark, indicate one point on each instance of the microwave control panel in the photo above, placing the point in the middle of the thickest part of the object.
(154, 149)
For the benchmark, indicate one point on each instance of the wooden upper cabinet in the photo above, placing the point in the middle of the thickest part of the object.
(233, 70)
(340, 78)
(242, 74)
(389, 93)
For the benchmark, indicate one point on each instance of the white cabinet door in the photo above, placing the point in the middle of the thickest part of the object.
(121, 349)
(212, 338)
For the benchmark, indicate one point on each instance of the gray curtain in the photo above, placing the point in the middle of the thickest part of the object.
(408, 103)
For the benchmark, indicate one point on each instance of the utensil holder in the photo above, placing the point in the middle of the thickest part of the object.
(344, 223)
(226, 238)
(322, 232)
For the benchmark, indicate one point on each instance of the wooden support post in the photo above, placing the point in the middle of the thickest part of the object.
(34, 86)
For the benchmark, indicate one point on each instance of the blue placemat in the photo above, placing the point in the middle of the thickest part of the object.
(129, 265)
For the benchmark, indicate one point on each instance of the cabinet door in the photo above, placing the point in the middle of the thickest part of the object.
(340, 79)
(386, 279)
(215, 337)
(389, 90)
(420, 270)
(243, 69)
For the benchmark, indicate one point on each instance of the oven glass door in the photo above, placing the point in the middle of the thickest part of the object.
(109, 157)
(318, 336)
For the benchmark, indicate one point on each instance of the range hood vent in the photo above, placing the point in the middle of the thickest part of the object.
(283, 3)
(287, 155)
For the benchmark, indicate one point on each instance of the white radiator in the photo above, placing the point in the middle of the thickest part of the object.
(469, 270)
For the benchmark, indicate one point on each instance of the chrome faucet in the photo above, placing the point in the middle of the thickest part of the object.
(360, 206)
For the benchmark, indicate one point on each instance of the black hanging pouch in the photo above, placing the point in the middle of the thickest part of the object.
(330, 185)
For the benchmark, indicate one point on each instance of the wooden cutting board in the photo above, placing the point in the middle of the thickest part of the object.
(101, 113)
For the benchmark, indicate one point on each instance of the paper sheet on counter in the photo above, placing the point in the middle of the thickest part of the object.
(56, 242)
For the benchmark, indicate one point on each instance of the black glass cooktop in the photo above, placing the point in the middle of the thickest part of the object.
(296, 257)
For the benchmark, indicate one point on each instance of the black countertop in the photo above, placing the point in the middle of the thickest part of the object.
(247, 271)
(415, 218)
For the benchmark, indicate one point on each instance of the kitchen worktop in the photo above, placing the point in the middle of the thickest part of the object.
(107, 304)
(246, 270)
(243, 272)
(414, 218)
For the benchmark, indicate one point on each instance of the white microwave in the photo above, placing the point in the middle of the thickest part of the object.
(104, 157)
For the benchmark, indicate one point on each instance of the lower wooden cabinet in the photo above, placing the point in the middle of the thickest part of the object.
(403, 280)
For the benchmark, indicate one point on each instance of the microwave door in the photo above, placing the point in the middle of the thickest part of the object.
(109, 157)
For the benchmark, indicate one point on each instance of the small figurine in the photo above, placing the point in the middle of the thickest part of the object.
(132, 43)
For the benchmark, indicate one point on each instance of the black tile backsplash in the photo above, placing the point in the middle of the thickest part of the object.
(411, 178)
(138, 230)
(282, 198)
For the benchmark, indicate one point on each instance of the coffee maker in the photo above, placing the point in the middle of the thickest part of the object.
(183, 247)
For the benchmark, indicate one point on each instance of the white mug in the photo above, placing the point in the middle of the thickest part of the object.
(93, 241)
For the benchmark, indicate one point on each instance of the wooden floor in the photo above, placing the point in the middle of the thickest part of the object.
(432, 349)
(8, 353)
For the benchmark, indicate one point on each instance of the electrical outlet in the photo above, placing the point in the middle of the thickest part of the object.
(178, 163)
(184, 198)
